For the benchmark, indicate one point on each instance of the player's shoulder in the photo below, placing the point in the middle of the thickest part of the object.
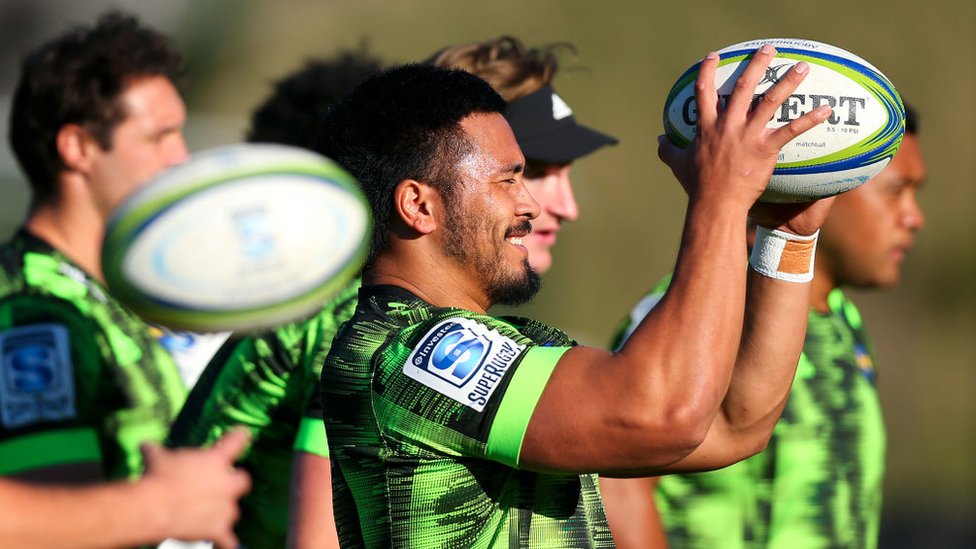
(36, 273)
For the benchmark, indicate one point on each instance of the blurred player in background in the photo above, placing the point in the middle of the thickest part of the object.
(818, 483)
(184, 494)
(292, 113)
(551, 139)
(264, 381)
(95, 115)
(85, 389)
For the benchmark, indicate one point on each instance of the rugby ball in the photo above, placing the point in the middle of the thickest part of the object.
(242, 237)
(850, 147)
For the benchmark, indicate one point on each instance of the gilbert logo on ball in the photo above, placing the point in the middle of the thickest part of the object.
(853, 145)
(241, 237)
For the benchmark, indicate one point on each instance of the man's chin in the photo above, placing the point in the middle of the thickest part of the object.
(517, 292)
(540, 259)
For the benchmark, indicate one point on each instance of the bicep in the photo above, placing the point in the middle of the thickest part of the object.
(597, 414)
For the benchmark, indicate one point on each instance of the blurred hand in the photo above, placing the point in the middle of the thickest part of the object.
(733, 155)
(197, 489)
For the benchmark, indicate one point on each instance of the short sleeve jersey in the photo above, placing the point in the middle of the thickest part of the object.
(81, 377)
(818, 483)
(264, 382)
(426, 409)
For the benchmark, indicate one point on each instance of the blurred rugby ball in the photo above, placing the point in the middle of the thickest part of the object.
(241, 237)
(853, 145)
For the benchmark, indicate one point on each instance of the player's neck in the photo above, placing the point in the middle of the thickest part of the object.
(73, 229)
(440, 283)
(823, 283)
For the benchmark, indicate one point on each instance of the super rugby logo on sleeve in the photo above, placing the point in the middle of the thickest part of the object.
(36, 375)
(462, 359)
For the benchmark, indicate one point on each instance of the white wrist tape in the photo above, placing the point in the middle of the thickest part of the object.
(784, 256)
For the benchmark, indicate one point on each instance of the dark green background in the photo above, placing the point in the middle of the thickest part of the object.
(630, 52)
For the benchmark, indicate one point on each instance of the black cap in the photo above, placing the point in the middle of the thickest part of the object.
(547, 131)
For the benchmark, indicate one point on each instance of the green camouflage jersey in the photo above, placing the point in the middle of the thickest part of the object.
(818, 483)
(426, 409)
(264, 382)
(81, 377)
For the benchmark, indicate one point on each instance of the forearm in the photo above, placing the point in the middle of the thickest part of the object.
(772, 338)
(656, 400)
(683, 352)
(311, 520)
(632, 512)
(110, 515)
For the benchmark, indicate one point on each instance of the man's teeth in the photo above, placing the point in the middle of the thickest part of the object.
(515, 240)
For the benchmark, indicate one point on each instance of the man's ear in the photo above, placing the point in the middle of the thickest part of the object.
(416, 204)
(75, 146)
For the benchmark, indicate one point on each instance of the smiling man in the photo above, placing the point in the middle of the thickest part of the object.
(450, 427)
(544, 125)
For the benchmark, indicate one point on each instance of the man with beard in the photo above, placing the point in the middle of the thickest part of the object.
(265, 380)
(450, 427)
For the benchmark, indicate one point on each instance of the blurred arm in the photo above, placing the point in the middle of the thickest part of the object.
(189, 494)
(632, 513)
(311, 520)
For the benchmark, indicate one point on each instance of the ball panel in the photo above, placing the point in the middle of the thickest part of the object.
(811, 186)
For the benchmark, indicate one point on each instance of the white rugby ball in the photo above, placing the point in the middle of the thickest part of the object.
(241, 237)
(853, 145)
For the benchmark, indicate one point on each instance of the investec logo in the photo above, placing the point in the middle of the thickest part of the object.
(462, 359)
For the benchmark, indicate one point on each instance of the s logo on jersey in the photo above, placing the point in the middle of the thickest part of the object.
(462, 359)
(36, 375)
(452, 352)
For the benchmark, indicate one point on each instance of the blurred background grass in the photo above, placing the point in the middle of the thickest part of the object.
(629, 53)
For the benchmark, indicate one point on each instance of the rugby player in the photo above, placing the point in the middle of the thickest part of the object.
(552, 140)
(448, 427)
(266, 380)
(818, 484)
(95, 115)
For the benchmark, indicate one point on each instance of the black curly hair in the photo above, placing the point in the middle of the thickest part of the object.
(293, 111)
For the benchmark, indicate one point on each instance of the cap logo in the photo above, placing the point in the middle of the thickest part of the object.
(560, 109)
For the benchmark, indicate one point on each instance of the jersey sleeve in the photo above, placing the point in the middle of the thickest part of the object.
(464, 386)
(51, 357)
(311, 437)
(249, 382)
(265, 382)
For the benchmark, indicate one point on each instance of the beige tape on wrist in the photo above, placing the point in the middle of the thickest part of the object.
(784, 256)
